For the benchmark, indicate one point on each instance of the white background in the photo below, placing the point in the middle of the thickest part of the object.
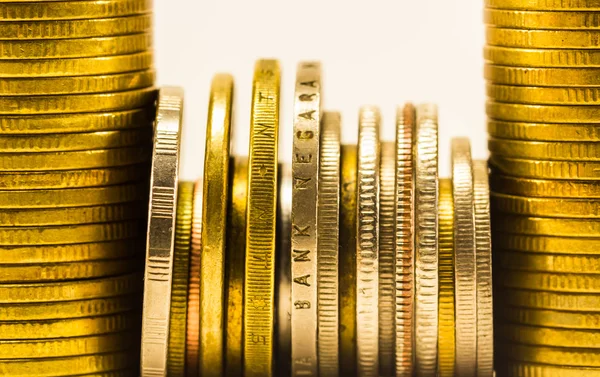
(379, 52)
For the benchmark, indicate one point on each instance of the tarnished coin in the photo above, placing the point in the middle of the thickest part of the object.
(545, 169)
(546, 188)
(541, 20)
(571, 5)
(86, 9)
(572, 264)
(543, 131)
(543, 77)
(550, 58)
(535, 38)
(547, 207)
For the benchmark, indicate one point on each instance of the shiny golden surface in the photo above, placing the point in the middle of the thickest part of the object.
(541, 20)
(550, 58)
(72, 9)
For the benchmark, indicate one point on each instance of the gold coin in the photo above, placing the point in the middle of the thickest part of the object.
(523, 369)
(550, 337)
(551, 282)
(76, 85)
(528, 38)
(53, 161)
(571, 5)
(545, 188)
(71, 123)
(553, 355)
(259, 288)
(570, 302)
(178, 321)
(68, 234)
(551, 77)
(214, 225)
(543, 132)
(405, 240)
(527, 19)
(158, 272)
(548, 226)
(446, 330)
(68, 346)
(567, 170)
(551, 318)
(75, 48)
(546, 244)
(543, 95)
(235, 264)
(69, 291)
(550, 58)
(76, 197)
(573, 264)
(546, 207)
(56, 10)
(101, 65)
(347, 262)
(80, 103)
(57, 29)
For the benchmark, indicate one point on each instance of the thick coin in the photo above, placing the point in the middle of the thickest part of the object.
(572, 264)
(546, 207)
(305, 196)
(524, 369)
(259, 290)
(367, 243)
(570, 302)
(551, 282)
(214, 226)
(571, 5)
(549, 58)
(328, 217)
(426, 240)
(528, 38)
(76, 85)
(527, 19)
(545, 169)
(465, 266)
(70, 10)
(552, 355)
(405, 240)
(543, 131)
(80, 103)
(57, 29)
(549, 337)
(347, 261)
(179, 289)
(447, 321)
(584, 228)
(546, 244)
(550, 318)
(158, 274)
(546, 77)
(101, 65)
(543, 95)
(544, 187)
(574, 151)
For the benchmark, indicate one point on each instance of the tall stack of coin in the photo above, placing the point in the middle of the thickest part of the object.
(76, 108)
(543, 70)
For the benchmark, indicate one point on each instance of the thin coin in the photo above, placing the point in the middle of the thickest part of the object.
(101, 65)
(572, 264)
(548, 226)
(367, 243)
(543, 131)
(447, 321)
(543, 95)
(179, 290)
(405, 241)
(551, 318)
(80, 103)
(551, 77)
(465, 267)
(57, 29)
(546, 244)
(574, 151)
(571, 5)
(570, 302)
(527, 38)
(214, 235)
(549, 58)
(544, 188)
(551, 282)
(305, 191)
(76, 85)
(347, 261)
(328, 217)
(546, 207)
(259, 290)
(158, 274)
(545, 169)
(524, 369)
(57, 10)
(542, 20)
(550, 337)
(426, 240)
(553, 355)
(68, 234)
(236, 246)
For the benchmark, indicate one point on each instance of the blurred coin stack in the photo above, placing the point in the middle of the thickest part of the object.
(543, 72)
(76, 111)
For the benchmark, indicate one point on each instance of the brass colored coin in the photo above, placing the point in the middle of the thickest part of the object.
(528, 38)
(543, 132)
(53, 161)
(543, 95)
(553, 355)
(70, 290)
(76, 197)
(551, 77)
(214, 228)
(75, 48)
(178, 322)
(551, 282)
(571, 5)
(68, 234)
(259, 289)
(80, 103)
(550, 58)
(545, 188)
(84, 9)
(570, 302)
(101, 65)
(57, 29)
(527, 19)
(546, 207)
(523, 369)
(571, 264)
(70, 123)
(548, 226)
(446, 329)
(550, 337)
(567, 170)
(547, 244)
(551, 318)
(76, 85)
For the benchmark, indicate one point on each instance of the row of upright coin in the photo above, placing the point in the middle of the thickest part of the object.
(543, 65)
(76, 110)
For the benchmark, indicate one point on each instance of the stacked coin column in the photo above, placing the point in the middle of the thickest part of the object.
(76, 111)
(543, 72)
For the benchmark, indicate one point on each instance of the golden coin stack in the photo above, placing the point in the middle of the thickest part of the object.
(76, 109)
(543, 70)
